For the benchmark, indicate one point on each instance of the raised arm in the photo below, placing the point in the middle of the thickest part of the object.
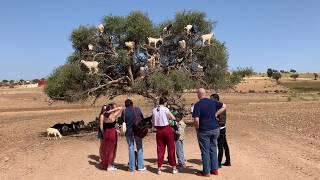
(221, 110)
(171, 116)
(101, 118)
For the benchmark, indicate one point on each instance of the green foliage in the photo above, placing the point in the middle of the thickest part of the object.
(195, 18)
(5, 81)
(276, 76)
(64, 81)
(82, 36)
(124, 57)
(315, 76)
(139, 26)
(243, 72)
(269, 72)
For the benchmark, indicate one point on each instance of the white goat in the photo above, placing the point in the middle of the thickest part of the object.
(130, 45)
(91, 65)
(54, 132)
(90, 47)
(101, 28)
(154, 41)
(207, 37)
(183, 44)
(189, 29)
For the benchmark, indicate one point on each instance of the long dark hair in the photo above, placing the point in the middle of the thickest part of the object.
(105, 109)
(162, 101)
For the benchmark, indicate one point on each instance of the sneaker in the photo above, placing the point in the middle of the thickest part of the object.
(112, 169)
(159, 172)
(214, 172)
(143, 169)
(202, 174)
(226, 164)
(174, 171)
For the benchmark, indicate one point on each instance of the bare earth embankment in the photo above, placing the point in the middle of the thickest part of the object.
(269, 137)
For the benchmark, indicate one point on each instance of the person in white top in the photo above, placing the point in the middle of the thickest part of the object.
(164, 135)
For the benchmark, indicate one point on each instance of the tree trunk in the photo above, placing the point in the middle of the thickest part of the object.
(129, 69)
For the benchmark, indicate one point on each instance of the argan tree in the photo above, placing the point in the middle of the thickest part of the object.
(178, 61)
(294, 76)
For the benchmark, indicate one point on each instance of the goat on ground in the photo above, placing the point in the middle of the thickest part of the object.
(54, 132)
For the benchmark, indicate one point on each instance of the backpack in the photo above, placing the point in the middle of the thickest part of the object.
(139, 128)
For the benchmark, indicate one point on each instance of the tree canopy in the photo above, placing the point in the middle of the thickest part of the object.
(166, 67)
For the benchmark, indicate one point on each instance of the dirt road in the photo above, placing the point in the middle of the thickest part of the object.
(263, 146)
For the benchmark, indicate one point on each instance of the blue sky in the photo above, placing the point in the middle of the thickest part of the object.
(281, 34)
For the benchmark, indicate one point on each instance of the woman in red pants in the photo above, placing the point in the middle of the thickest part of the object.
(165, 135)
(110, 137)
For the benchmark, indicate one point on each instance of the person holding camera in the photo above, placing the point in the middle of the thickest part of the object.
(109, 135)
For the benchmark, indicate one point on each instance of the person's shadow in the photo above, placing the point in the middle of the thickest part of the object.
(94, 160)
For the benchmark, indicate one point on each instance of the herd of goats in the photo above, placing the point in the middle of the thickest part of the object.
(75, 127)
(154, 58)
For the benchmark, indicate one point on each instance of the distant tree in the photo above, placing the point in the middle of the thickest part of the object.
(276, 76)
(5, 81)
(243, 72)
(293, 71)
(269, 72)
(11, 81)
(42, 79)
(315, 76)
(35, 81)
(294, 76)
(282, 71)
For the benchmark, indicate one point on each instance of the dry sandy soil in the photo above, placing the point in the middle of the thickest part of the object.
(269, 137)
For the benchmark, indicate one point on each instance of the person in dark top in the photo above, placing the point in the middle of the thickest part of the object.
(128, 116)
(110, 138)
(222, 139)
(205, 119)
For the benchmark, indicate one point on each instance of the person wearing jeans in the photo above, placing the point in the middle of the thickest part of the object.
(128, 116)
(206, 122)
(132, 161)
(179, 138)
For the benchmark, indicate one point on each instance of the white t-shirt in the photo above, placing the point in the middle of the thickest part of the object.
(160, 117)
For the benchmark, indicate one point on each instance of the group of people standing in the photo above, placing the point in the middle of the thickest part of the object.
(207, 114)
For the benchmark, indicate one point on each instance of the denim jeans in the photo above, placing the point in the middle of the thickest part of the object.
(208, 147)
(180, 153)
(132, 159)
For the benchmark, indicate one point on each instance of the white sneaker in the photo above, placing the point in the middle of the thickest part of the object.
(143, 169)
(112, 169)
(175, 171)
(159, 172)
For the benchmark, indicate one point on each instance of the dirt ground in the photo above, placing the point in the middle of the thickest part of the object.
(269, 137)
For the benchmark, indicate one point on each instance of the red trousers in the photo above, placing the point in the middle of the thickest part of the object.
(165, 137)
(109, 147)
